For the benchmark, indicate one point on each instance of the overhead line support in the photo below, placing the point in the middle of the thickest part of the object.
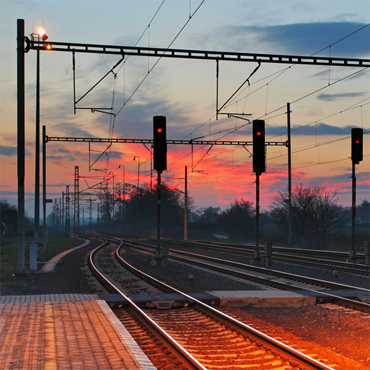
(169, 142)
(193, 54)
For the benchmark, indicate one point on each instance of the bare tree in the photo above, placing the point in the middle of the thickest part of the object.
(238, 220)
(315, 212)
(108, 198)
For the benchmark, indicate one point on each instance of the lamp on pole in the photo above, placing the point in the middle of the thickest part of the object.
(123, 176)
(139, 195)
(138, 171)
(39, 36)
(123, 191)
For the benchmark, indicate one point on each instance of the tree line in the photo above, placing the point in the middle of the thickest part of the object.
(316, 216)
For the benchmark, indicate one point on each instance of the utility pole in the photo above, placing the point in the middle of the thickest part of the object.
(257, 255)
(68, 221)
(353, 254)
(76, 225)
(90, 213)
(62, 216)
(259, 166)
(44, 237)
(37, 152)
(21, 143)
(186, 205)
(289, 179)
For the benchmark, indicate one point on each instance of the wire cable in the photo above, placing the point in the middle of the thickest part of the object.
(159, 59)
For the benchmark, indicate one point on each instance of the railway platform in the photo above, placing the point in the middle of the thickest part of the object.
(65, 331)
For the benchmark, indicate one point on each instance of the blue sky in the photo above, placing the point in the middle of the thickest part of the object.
(326, 102)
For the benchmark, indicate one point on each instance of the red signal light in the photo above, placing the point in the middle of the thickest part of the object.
(160, 143)
(259, 150)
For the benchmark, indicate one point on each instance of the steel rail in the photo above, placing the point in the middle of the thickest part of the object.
(285, 254)
(324, 296)
(303, 279)
(324, 264)
(316, 252)
(258, 336)
(245, 247)
(245, 275)
(361, 306)
(192, 362)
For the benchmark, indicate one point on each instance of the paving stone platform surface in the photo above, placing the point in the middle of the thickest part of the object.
(65, 332)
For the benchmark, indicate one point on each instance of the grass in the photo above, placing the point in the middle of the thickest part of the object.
(9, 253)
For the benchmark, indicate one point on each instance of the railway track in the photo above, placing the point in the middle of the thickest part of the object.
(198, 336)
(328, 260)
(267, 278)
(316, 253)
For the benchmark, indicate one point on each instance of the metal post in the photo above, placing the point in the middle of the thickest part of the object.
(44, 237)
(158, 254)
(62, 219)
(367, 252)
(289, 180)
(76, 224)
(139, 220)
(353, 250)
(123, 194)
(268, 254)
(20, 142)
(217, 76)
(67, 211)
(186, 205)
(37, 152)
(257, 256)
(113, 197)
(74, 85)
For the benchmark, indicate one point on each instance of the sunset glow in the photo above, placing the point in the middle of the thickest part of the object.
(326, 101)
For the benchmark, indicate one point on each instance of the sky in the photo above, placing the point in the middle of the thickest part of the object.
(326, 102)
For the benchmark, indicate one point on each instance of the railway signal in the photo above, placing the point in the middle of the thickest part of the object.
(160, 164)
(160, 143)
(259, 153)
(259, 166)
(356, 156)
(357, 145)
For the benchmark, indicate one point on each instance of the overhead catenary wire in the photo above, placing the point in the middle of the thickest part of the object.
(291, 103)
(293, 65)
(159, 59)
(113, 118)
(279, 73)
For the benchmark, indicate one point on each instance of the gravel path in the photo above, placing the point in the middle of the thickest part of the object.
(72, 275)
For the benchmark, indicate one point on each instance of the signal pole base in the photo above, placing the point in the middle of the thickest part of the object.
(353, 255)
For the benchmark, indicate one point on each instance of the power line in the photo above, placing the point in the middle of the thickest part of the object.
(158, 60)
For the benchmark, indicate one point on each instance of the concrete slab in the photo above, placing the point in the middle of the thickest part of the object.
(262, 298)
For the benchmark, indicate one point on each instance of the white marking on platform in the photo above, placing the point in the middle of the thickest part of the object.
(48, 298)
(138, 353)
(50, 265)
